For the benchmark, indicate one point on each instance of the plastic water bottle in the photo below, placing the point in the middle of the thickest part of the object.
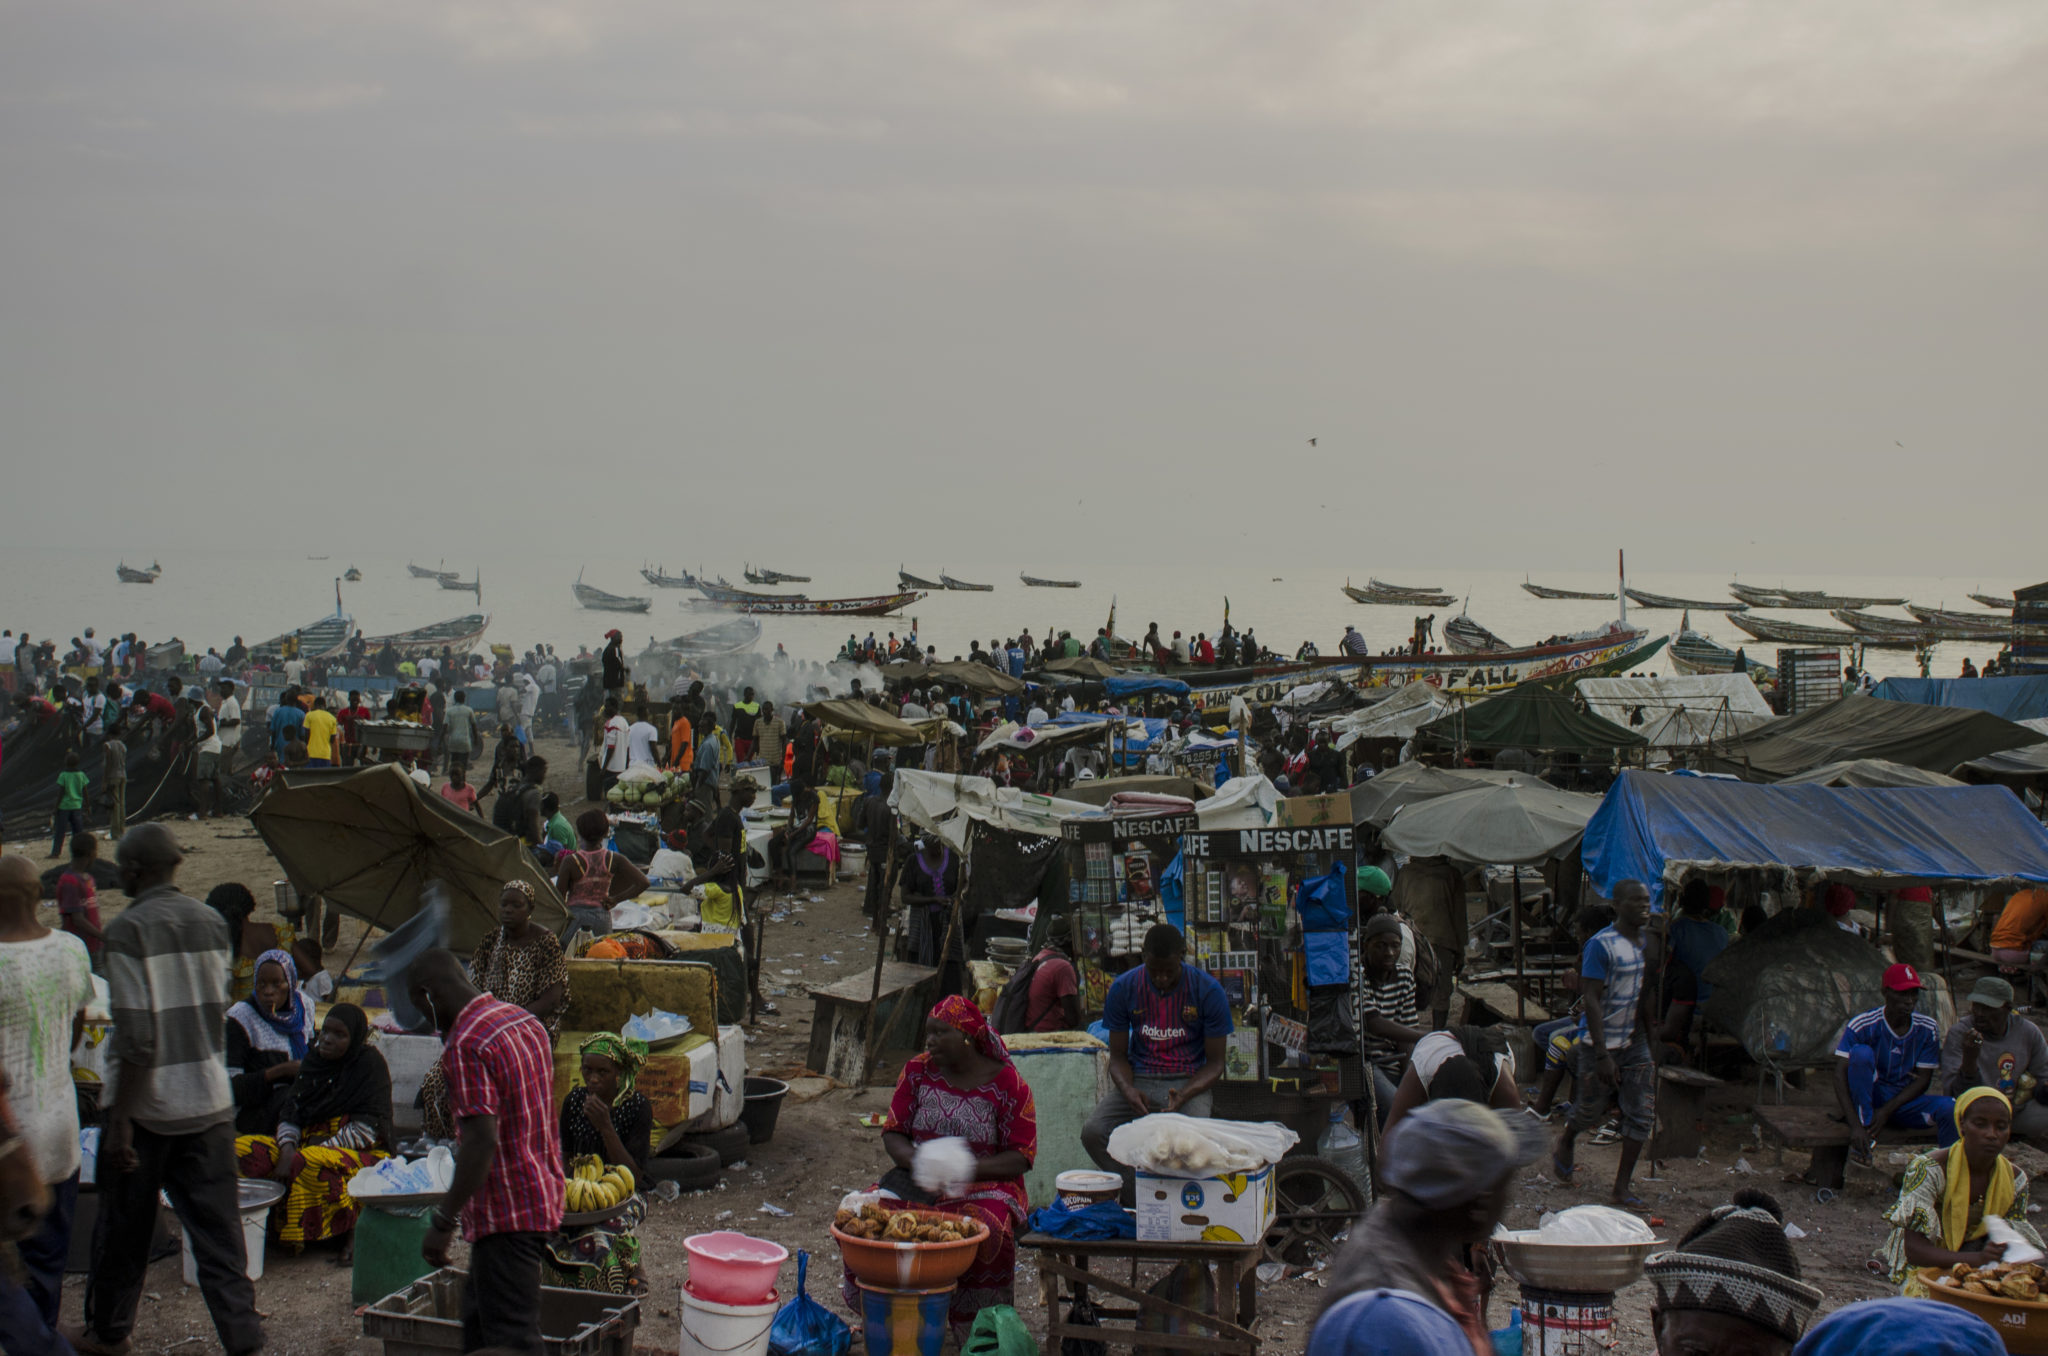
(1340, 1146)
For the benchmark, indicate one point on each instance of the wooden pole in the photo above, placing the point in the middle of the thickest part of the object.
(966, 865)
(1521, 963)
(884, 929)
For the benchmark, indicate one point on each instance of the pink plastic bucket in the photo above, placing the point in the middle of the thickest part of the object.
(730, 1268)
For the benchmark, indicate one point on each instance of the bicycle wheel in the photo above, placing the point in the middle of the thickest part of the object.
(1315, 1202)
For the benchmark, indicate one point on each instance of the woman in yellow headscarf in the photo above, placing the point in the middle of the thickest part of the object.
(1949, 1193)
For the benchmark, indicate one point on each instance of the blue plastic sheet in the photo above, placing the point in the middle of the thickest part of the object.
(1961, 833)
(1102, 1220)
(1328, 955)
(1131, 684)
(2015, 699)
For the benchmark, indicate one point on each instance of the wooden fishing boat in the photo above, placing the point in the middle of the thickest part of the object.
(475, 585)
(1974, 622)
(732, 637)
(168, 657)
(459, 634)
(879, 605)
(2004, 604)
(962, 586)
(724, 593)
(662, 579)
(1757, 597)
(1541, 592)
(1466, 636)
(905, 579)
(1506, 668)
(1663, 601)
(1799, 633)
(1806, 598)
(354, 575)
(1034, 582)
(317, 638)
(1381, 586)
(1694, 653)
(597, 600)
(766, 576)
(419, 572)
(1866, 625)
(128, 575)
(1359, 595)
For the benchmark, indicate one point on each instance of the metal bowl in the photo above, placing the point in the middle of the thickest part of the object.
(1579, 1268)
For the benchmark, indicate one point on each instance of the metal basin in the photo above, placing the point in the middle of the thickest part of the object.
(1580, 1268)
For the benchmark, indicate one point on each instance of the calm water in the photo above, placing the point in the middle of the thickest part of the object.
(206, 598)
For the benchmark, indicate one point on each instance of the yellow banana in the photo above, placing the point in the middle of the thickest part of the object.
(626, 1176)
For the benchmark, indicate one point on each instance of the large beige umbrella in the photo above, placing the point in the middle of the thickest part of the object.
(368, 844)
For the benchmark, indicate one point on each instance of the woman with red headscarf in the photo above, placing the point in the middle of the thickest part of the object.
(965, 1086)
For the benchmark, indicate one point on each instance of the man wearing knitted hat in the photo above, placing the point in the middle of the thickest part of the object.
(1401, 1284)
(1988, 1048)
(1732, 1285)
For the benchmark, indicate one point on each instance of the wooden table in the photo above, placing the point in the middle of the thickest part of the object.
(840, 1019)
(1823, 1131)
(1236, 1274)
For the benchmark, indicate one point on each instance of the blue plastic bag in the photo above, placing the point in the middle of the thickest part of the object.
(1324, 903)
(1173, 891)
(804, 1327)
(1329, 958)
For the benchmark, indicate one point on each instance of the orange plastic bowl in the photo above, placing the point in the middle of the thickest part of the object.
(912, 1266)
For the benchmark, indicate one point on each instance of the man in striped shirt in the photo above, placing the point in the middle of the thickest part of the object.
(508, 1184)
(171, 1125)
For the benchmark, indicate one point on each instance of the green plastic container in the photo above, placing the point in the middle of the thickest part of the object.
(387, 1253)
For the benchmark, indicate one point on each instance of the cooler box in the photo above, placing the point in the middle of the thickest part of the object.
(1235, 1208)
(677, 1079)
(727, 1086)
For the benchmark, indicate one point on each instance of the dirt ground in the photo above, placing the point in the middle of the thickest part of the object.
(818, 1153)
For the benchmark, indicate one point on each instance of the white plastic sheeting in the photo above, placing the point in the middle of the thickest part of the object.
(945, 805)
(1398, 717)
(1679, 712)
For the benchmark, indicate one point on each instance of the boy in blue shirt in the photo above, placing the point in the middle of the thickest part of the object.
(1883, 1064)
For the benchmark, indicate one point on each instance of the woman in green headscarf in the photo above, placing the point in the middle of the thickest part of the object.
(603, 1115)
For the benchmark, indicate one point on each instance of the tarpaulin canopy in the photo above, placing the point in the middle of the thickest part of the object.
(2016, 698)
(1869, 772)
(2014, 767)
(857, 717)
(1082, 666)
(1010, 735)
(947, 805)
(1132, 684)
(1412, 706)
(1679, 712)
(1652, 827)
(1529, 717)
(1514, 823)
(1934, 737)
(976, 678)
(1378, 800)
(1097, 793)
(370, 843)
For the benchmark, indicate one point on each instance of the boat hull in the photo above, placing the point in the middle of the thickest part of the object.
(1032, 583)
(1664, 602)
(2002, 604)
(953, 585)
(879, 605)
(597, 600)
(459, 634)
(661, 579)
(1368, 596)
(1797, 633)
(911, 581)
(720, 593)
(1542, 592)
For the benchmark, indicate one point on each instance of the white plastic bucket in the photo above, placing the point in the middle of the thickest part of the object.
(257, 1196)
(711, 1329)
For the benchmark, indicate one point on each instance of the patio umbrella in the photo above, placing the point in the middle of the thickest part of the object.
(1377, 801)
(369, 844)
(1517, 822)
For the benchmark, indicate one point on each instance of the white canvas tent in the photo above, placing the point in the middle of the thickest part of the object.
(946, 804)
(1398, 717)
(1679, 712)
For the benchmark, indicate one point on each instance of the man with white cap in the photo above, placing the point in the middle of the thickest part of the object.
(1988, 1047)
(1401, 1284)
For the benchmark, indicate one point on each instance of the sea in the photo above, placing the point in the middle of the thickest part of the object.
(207, 598)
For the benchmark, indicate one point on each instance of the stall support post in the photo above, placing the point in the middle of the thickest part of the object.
(952, 925)
(885, 919)
(1521, 960)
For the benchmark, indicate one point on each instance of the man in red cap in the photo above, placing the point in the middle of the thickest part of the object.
(1883, 1064)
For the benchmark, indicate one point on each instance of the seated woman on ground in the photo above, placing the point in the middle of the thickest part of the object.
(1947, 1194)
(335, 1120)
(268, 1034)
(604, 1116)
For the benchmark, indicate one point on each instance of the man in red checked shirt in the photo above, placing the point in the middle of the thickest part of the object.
(508, 1185)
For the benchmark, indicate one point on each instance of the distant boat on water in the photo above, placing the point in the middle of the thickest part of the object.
(1396, 596)
(768, 576)
(1662, 601)
(2004, 604)
(128, 575)
(459, 634)
(421, 572)
(1799, 633)
(1034, 582)
(597, 600)
(1806, 598)
(905, 579)
(662, 579)
(354, 575)
(962, 586)
(1693, 653)
(1541, 592)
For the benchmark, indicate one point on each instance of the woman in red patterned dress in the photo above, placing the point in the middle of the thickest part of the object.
(964, 1085)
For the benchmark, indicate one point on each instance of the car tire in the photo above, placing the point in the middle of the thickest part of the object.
(693, 1167)
(730, 1144)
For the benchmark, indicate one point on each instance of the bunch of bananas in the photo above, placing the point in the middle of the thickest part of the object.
(592, 1185)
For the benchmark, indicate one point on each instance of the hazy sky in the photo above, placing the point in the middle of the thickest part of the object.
(1543, 280)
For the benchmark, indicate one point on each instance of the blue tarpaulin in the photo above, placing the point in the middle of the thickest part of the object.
(1130, 684)
(2016, 699)
(1131, 747)
(1650, 824)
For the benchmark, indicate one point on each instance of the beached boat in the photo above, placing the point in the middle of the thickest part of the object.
(168, 657)
(1032, 581)
(1383, 598)
(2004, 604)
(962, 586)
(1799, 633)
(732, 637)
(128, 575)
(317, 638)
(1662, 601)
(1541, 592)
(905, 579)
(725, 593)
(662, 579)
(1806, 598)
(475, 585)
(1624, 649)
(597, 600)
(1863, 624)
(1757, 597)
(459, 634)
(1975, 622)
(419, 572)
(1382, 586)
(879, 605)
(354, 575)
(1466, 636)
(765, 576)
(1694, 653)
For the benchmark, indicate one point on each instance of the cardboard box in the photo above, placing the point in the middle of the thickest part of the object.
(1233, 1209)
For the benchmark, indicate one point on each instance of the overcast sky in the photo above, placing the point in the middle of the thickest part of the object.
(1542, 280)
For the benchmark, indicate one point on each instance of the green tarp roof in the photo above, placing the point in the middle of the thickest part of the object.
(1528, 717)
(1938, 738)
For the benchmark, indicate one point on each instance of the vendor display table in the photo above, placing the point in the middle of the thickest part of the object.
(1066, 1259)
(842, 1027)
